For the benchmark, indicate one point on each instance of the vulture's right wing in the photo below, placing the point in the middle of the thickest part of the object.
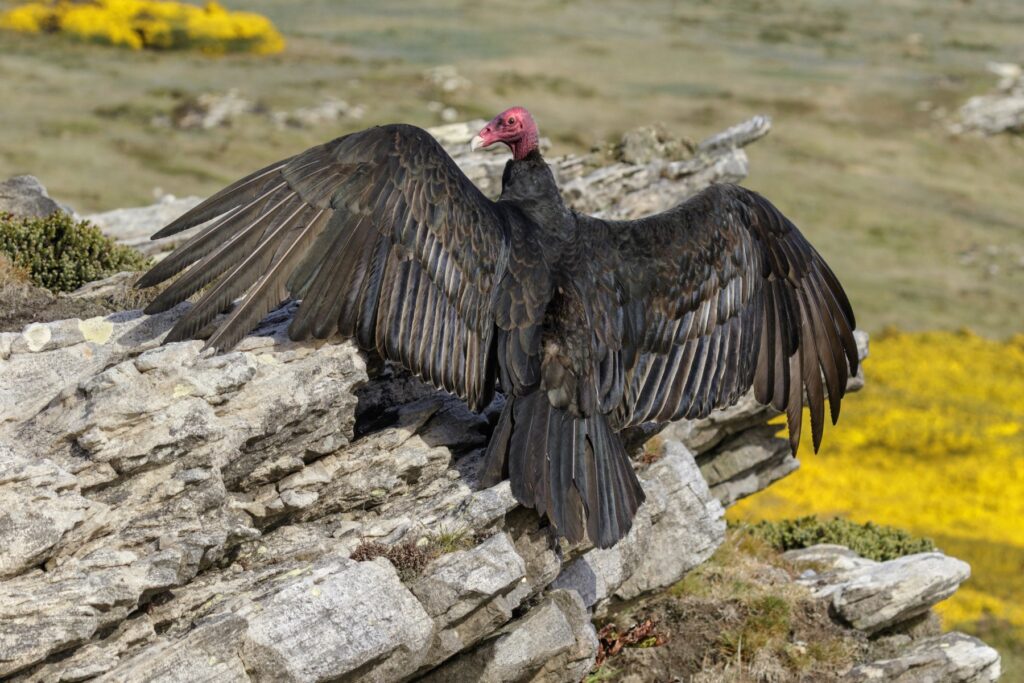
(719, 294)
(381, 236)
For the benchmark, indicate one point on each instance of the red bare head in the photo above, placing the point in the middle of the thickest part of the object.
(515, 127)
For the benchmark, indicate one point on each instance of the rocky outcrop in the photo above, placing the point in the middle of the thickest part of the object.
(952, 658)
(876, 596)
(161, 503)
(999, 112)
(170, 515)
(891, 602)
(24, 195)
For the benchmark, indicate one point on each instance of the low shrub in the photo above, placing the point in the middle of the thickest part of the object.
(61, 254)
(869, 540)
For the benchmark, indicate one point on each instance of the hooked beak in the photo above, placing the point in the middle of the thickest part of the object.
(484, 138)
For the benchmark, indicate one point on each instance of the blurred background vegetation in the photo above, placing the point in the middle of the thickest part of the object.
(924, 228)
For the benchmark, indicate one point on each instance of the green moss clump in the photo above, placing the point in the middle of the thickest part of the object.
(61, 254)
(869, 540)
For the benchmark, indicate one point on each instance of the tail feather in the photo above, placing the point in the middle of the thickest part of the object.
(573, 470)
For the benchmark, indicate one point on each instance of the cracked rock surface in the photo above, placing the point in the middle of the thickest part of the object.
(949, 658)
(874, 596)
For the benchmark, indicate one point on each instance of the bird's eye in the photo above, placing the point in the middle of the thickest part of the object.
(511, 120)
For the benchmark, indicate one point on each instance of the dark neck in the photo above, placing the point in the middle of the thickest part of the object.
(530, 183)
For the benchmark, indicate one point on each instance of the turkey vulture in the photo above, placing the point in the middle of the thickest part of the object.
(588, 326)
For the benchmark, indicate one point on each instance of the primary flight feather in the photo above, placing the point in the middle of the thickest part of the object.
(587, 326)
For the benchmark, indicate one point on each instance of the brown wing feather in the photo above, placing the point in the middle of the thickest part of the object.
(381, 236)
(728, 295)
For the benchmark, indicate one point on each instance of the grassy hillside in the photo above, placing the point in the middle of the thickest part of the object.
(923, 228)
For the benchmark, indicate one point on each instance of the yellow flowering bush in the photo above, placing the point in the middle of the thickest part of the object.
(935, 445)
(151, 24)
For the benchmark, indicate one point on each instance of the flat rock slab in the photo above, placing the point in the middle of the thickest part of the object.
(874, 597)
(949, 658)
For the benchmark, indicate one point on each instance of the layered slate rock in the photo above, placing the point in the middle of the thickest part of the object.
(467, 594)
(187, 516)
(874, 596)
(891, 602)
(554, 641)
(285, 627)
(949, 658)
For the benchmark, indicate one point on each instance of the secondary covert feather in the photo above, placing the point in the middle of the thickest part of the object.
(588, 326)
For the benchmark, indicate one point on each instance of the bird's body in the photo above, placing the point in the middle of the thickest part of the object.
(587, 326)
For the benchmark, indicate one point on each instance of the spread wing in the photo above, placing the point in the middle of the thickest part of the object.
(719, 294)
(381, 236)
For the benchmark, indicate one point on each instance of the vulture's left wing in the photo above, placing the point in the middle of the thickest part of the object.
(381, 236)
(719, 294)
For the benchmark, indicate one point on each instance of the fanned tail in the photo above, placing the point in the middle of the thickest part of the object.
(572, 469)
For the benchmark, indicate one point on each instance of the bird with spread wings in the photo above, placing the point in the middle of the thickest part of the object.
(587, 326)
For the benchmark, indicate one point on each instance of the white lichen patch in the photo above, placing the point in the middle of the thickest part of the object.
(181, 390)
(96, 330)
(37, 335)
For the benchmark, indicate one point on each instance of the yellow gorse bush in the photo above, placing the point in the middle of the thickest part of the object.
(152, 24)
(934, 444)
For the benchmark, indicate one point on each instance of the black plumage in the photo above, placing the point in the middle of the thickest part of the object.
(588, 326)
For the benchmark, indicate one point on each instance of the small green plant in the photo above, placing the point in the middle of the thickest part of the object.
(874, 541)
(450, 540)
(61, 254)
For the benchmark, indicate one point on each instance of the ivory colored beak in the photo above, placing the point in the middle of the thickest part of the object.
(476, 143)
